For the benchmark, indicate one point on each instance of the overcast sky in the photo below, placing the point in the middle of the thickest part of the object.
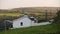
(9, 4)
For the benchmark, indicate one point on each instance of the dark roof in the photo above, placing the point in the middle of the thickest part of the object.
(32, 19)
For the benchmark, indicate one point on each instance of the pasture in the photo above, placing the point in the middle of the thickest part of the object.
(10, 14)
(45, 29)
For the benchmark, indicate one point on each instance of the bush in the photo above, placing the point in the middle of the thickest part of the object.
(57, 18)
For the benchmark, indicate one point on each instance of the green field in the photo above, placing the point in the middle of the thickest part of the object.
(10, 14)
(46, 29)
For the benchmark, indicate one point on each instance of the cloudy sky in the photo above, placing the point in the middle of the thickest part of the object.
(9, 4)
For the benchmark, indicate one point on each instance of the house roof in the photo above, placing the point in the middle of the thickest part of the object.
(25, 16)
(22, 17)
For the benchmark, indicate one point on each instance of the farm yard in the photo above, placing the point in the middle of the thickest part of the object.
(42, 16)
(29, 17)
(46, 29)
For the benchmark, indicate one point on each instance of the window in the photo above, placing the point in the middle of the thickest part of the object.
(21, 23)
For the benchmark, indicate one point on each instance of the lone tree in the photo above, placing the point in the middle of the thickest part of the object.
(57, 18)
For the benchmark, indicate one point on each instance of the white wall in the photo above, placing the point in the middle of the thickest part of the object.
(26, 23)
(42, 23)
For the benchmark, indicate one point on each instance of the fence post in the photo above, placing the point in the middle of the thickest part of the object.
(5, 27)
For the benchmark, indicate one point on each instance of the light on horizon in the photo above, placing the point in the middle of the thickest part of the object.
(9, 4)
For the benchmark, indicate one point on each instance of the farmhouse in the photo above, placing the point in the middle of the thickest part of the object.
(24, 21)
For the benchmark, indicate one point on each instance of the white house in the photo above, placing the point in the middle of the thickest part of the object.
(24, 21)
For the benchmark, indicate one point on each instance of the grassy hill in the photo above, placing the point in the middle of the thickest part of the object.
(45, 29)
(37, 11)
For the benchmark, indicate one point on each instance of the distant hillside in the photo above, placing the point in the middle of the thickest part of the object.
(32, 9)
(51, 11)
(38, 9)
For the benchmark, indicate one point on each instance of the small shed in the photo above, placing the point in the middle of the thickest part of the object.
(8, 24)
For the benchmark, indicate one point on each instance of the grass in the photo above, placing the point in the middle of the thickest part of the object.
(10, 14)
(46, 29)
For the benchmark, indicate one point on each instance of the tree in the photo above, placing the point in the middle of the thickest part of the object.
(57, 18)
